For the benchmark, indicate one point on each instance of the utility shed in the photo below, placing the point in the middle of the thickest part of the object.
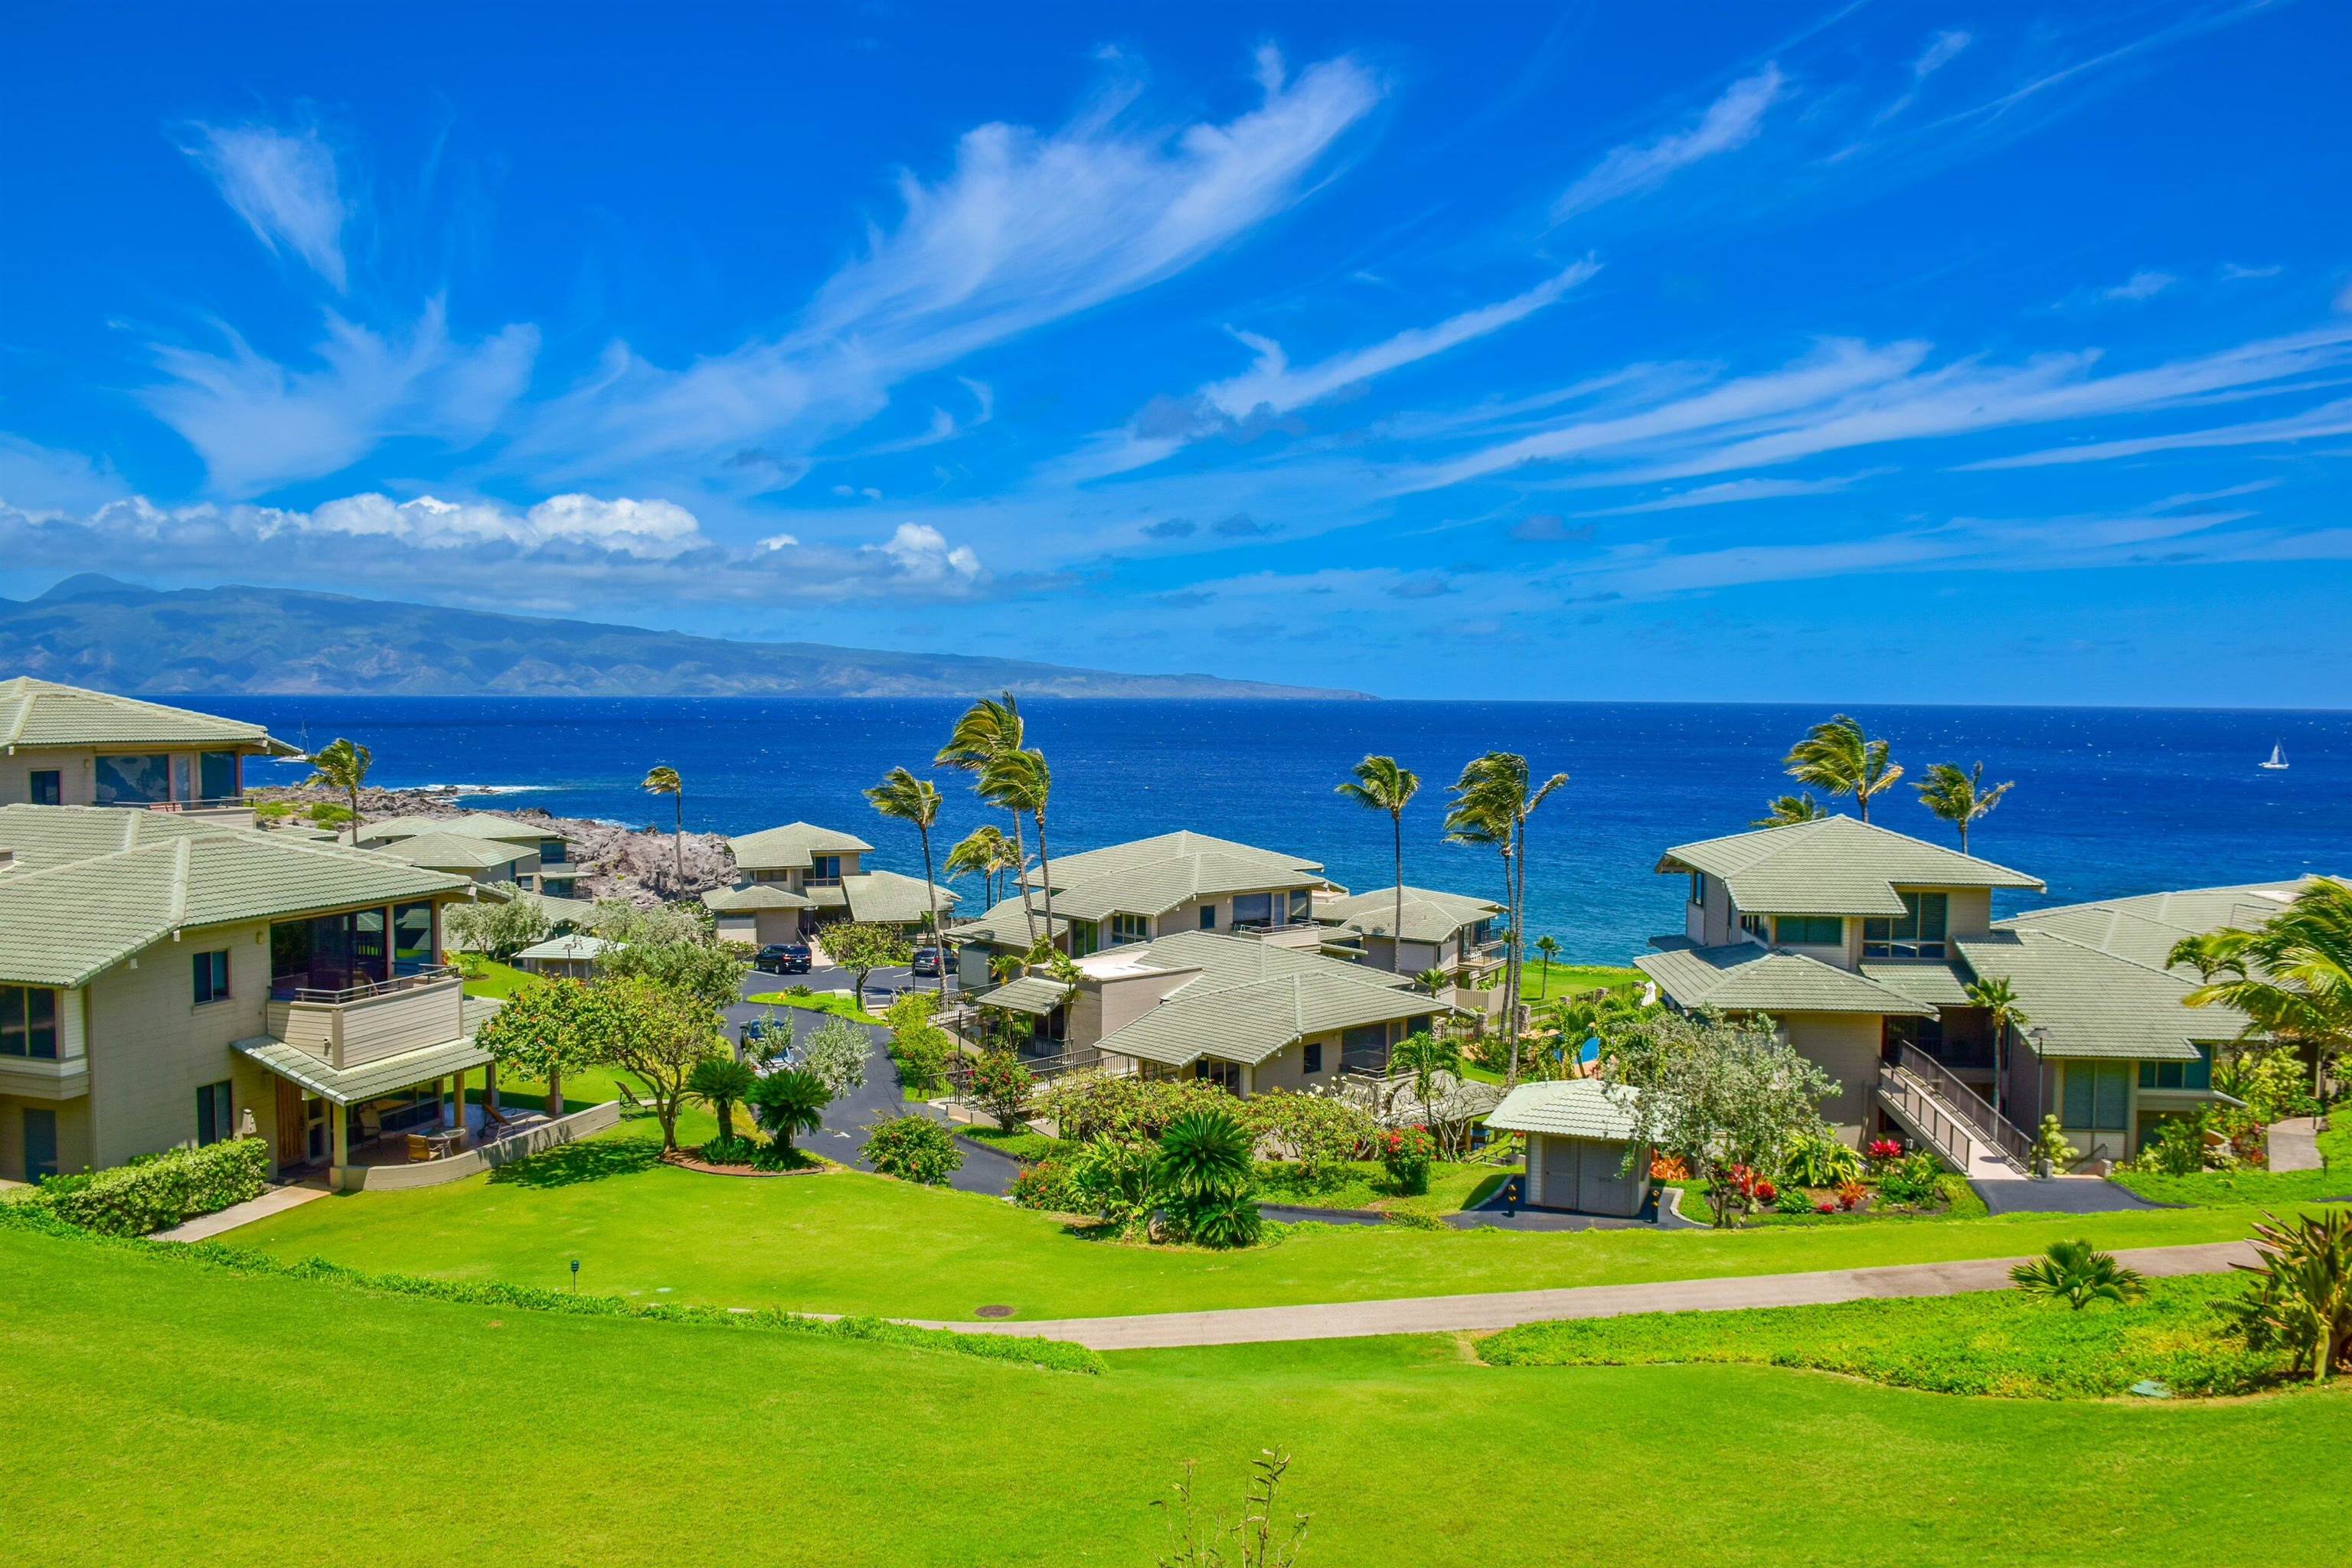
(1578, 1132)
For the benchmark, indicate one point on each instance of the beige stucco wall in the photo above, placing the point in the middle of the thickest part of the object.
(1716, 924)
(1286, 1068)
(78, 772)
(1845, 1045)
(150, 1045)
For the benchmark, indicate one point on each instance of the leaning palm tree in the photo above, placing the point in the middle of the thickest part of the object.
(1020, 782)
(2291, 975)
(1782, 810)
(343, 764)
(1380, 785)
(2007, 1016)
(991, 728)
(665, 781)
(1496, 791)
(984, 851)
(903, 798)
(2078, 1274)
(1838, 757)
(1959, 798)
(1549, 947)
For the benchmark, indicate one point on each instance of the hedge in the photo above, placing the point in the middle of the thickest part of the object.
(1050, 1355)
(156, 1192)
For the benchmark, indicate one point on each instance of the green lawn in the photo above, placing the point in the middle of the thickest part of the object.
(838, 1002)
(1999, 1343)
(1364, 1184)
(488, 977)
(2228, 1187)
(450, 1433)
(1550, 981)
(856, 1243)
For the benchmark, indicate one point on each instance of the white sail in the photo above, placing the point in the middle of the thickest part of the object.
(2277, 757)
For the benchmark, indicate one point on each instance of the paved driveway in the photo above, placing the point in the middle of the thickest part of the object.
(2059, 1195)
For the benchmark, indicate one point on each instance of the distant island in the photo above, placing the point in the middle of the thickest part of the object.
(91, 630)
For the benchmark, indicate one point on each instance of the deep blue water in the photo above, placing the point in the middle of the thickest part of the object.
(2107, 802)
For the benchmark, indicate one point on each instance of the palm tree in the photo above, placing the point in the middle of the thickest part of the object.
(2302, 1297)
(1782, 810)
(1497, 791)
(1380, 785)
(1549, 947)
(1959, 798)
(1424, 1056)
(1432, 980)
(2078, 1274)
(785, 1103)
(2008, 1017)
(343, 764)
(1019, 780)
(989, 728)
(722, 1083)
(2291, 975)
(665, 781)
(903, 798)
(1838, 757)
(986, 851)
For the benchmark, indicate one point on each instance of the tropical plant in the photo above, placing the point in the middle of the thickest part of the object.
(1222, 1219)
(1548, 946)
(1782, 810)
(1381, 785)
(673, 945)
(721, 1083)
(1204, 1154)
(1020, 782)
(1424, 1056)
(1002, 1087)
(665, 781)
(1959, 798)
(1322, 1131)
(1114, 1179)
(1836, 756)
(862, 947)
(1406, 1153)
(497, 927)
(2291, 975)
(2008, 1019)
(1084, 1106)
(1433, 980)
(342, 764)
(786, 1104)
(919, 1046)
(2302, 1299)
(2050, 1150)
(2269, 1078)
(913, 1149)
(1916, 1180)
(1493, 801)
(1821, 1159)
(2178, 1149)
(986, 853)
(991, 728)
(903, 798)
(660, 1036)
(2078, 1274)
(548, 1028)
(836, 1051)
(1258, 1542)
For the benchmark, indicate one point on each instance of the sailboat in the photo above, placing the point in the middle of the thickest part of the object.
(2277, 762)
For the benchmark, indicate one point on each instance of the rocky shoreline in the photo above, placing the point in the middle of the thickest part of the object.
(637, 863)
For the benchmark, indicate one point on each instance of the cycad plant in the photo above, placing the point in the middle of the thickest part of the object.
(722, 1083)
(343, 764)
(989, 729)
(665, 781)
(1959, 798)
(786, 1104)
(2078, 1274)
(2291, 975)
(903, 798)
(1381, 785)
(2302, 1299)
(1782, 810)
(1207, 1175)
(1838, 757)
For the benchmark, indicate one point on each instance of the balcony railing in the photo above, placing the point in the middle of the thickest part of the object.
(298, 987)
(193, 807)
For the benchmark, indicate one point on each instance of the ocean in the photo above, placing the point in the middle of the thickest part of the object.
(2107, 803)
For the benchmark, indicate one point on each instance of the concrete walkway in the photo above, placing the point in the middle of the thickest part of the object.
(1450, 1314)
(277, 1200)
(2295, 1144)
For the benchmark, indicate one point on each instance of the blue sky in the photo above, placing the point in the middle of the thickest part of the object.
(1889, 353)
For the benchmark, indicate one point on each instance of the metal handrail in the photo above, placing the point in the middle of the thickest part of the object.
(220, 803)
(1990, 1126)
(1954, 1138)
(425, 976)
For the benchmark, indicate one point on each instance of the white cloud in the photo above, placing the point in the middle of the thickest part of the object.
(1941, 50)
(285, 187)
(1731, 492)
(2145, 284)
(1729, 123)
(259, 424)
(921, 554)
(2326, 420)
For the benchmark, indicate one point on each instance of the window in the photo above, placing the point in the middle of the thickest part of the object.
(1754, 926)
(2198, 1074)
(412, 937)
(1226, 1076)
(1314, 1053)
(216, 776)
(1810, 931)
(1208, 917)
(1698, 891)
(133, 781)
(48, 787)
(551, 851)
(215, 1116)
(1129, 928)
(825, 868)
(28, 1022)
(1917, 933)
(212, 975)
(1085, 937)
(2098, 1095)
(1302, 905)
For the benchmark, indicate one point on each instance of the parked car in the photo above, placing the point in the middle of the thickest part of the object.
(783, 958)
(927, 961)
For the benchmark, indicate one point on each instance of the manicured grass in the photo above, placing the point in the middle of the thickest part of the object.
(2001, 1342)
(488, 977)
(838, 1002)
(1554, 981)
(1019, 1143)
(1364, 1184)
(856, 1243)
(463, 1433)
(2230, 1187)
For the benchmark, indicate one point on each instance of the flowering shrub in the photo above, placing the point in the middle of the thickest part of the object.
(1669, 1168)
(1046, 1185)
(1885, 1149)
(913, 1149)
(1915, 1180)
(1407, 1152)
(1766, 1192)
(1850, 1194)
(1827, 1206)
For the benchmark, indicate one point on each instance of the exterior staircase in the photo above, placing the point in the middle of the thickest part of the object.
(1921, 1095)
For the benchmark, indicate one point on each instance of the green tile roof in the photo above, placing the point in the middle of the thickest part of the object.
(753, 896)
(2145, 928)
(1001, 924)
(91, 886)
(466, 825)
(1923, 980)
(369, 1081)
(2097, 1003)
(887, 898)
(44, 713)
(1429, 915)
(1570, 1107)
(1833, 865)
(452, 851)
(1030, 994)
(1152, 875)
(788, 848)
(1745, 977)
(1246, 999)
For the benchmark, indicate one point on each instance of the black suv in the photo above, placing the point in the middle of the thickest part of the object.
(783, 958)
(927, 961)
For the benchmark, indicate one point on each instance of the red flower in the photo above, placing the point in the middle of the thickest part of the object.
(1825, 1206)
(1767, 1192)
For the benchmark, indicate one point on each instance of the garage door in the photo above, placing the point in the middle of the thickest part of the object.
(1607, 1188)
(1559, 1171)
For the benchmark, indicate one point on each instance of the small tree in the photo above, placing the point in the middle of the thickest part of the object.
(722, 1083)
(1002, 1085)
(343, 764)
(674, 946)
(836, 1051)
(913, 1149)
(919, 1046)
(1322, 1131)
(2302, 1299)
(786, 1104)
(660, 1037)
(861, 948)
(1727, 1095)
(498, 928)
(1548, 947)
(548, 1028)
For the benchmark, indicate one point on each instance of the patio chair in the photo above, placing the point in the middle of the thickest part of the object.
(421, 1148)
(371, 1124)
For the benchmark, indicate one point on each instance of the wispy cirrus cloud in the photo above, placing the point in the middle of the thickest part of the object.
(2328, 419)
(284, 185)
(1732, 491)
(1729, 123)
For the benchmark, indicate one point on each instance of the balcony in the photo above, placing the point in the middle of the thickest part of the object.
(229, 810)
(354, 1025)
(1298, 934)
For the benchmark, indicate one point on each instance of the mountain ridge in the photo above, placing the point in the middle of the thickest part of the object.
(237, 640)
